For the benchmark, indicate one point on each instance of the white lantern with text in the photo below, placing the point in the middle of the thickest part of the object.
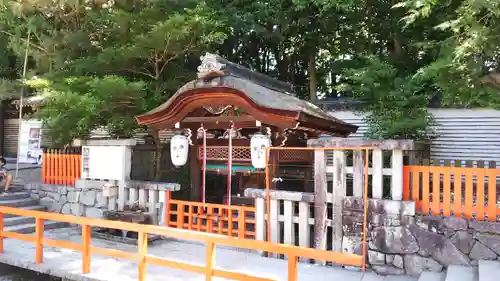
(258, 145)
(179, 148)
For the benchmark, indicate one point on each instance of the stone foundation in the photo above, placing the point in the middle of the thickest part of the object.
(400, 242)
(88, 202)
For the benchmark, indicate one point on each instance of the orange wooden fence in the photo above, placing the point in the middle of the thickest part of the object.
(229, 220)
(142, 257)
(61, 166)
(457, 191)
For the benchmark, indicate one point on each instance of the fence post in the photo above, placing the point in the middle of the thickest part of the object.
(142, 245)
(338, 194)
(122, 195)
(289, 226)
(260, 220)
(44, 165)
(397, 175)
(320, 190)
(304, 226)
(86, 248)
(1, 230)
(210, 261)
(358, 174)
(39, 229)
(377, 175)
(292, 268)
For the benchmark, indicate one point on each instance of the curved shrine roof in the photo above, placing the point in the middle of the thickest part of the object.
(218, 75)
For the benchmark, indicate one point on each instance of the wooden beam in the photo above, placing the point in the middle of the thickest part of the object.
(218, 119)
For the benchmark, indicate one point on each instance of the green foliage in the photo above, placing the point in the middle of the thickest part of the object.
(394, 57)
(396, 105)
(467, 53)
(80, 104)
(106, 62)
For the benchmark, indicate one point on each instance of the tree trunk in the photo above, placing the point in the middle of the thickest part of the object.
(313, 79)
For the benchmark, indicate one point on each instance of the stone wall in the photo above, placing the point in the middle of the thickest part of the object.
(400, 242)
(88, 202)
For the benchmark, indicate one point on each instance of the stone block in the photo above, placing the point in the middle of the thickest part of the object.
(353, 203)
(351, 228)
(394, 240)
(101, 201)
(389, 220)
(392, 207)
(491, 241)
(47, 202)
(387, 270)
(72, 197)
(455, 223)
(89, 184)
(414, 265)
(398, 261)
(485, 227)
(463, 240)
(481, 252)
(54, 195)
(389, 259)
(375, 258)
(77, 209)
(352, 245)
(63, 199)
(66, 209)
(88, 197)
(439, 247)
(94, 213)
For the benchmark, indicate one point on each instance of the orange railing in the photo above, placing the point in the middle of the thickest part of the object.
(142, 257)
(61, 166)
(237, 221)
(461, 192)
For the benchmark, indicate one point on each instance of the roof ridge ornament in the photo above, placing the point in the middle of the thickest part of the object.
(210, 66)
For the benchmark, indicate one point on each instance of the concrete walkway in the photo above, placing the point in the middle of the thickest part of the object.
(67, 263)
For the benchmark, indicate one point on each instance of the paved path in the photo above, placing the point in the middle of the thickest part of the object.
(67, 263)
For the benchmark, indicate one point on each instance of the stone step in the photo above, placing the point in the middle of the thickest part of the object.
(489, 270)
(18, 220)
(462, 273)
(13, 196)
(30, 227)
(432, 276)
(33, 207)
(19, 202)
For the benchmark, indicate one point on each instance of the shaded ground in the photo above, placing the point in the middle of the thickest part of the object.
(10, 273)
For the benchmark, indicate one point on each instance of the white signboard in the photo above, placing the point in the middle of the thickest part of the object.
(105, 162)
(30, 142)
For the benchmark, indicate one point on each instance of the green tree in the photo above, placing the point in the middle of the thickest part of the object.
(468, 55)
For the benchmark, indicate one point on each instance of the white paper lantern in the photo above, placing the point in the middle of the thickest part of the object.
(258, 145)
(179, 148)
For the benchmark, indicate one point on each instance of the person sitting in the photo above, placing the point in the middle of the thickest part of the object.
(5, 176)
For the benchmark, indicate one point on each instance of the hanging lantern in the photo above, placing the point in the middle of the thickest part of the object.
(258, 145)
(179, 148)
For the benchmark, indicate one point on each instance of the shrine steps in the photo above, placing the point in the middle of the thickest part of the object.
(20, 199)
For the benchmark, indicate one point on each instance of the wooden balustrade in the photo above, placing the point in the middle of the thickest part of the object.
(211, 240)
(457, 191)
(60, 166)
(236, 221)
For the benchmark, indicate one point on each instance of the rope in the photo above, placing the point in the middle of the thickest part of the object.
(204, 164)
(229, 163)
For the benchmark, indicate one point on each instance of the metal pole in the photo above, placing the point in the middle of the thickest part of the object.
(21, 101)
